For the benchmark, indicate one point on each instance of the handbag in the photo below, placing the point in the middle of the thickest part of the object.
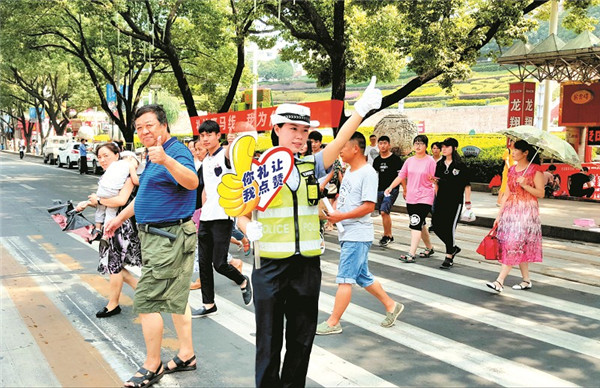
(488, 247)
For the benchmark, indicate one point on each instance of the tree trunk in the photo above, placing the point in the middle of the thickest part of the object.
(237, 76)
(182, 82)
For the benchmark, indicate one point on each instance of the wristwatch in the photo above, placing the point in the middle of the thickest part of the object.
(98, 200)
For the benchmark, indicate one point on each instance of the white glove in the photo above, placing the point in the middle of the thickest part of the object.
(370, 99)
(254, 230)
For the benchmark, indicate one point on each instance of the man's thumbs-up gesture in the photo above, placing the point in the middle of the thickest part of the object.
(156, 153)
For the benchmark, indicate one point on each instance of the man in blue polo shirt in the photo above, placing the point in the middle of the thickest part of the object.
(83, 157)
(163, 208)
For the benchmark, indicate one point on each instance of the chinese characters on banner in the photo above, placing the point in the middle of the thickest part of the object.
(253, 183)
(270, 173)
(521, 102)
(326, 112)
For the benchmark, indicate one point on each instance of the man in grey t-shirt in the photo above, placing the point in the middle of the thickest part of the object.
(356, 201)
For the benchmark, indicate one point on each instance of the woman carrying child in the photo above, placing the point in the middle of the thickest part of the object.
(124, 247)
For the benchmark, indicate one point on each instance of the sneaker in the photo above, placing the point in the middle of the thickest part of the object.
(447, 263)
(203, 312)
(325, 329)
(247, 292)
(385, 240)
(390, 317)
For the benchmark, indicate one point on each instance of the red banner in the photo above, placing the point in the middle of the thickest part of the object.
(579, 105)
(564, 171)
(326, 112)
(521, 103)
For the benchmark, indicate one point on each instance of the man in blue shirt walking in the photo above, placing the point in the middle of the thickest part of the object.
(163, 208)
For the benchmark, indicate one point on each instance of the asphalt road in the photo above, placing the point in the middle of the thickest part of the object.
(453, 332)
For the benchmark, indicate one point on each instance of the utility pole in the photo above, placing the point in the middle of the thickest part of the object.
(548, 84)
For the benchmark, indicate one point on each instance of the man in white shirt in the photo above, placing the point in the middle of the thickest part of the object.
(214, 231)
(372, 151)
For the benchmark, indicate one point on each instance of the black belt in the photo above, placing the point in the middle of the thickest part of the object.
(160, 225)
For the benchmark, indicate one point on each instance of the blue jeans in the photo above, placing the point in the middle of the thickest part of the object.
(354, 264)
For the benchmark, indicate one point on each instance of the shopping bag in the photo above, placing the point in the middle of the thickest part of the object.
(468, 215)
(488, 247)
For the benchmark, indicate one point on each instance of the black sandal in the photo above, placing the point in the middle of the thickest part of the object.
(146, 379)
(180, 366)
(426, 253)
(407, 259)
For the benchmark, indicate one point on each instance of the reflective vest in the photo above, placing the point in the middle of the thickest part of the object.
(290, 224)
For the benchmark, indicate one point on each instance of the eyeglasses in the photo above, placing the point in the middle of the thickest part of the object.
(418, 143)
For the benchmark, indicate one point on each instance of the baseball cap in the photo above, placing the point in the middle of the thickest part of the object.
(294, 114)
(450, 142)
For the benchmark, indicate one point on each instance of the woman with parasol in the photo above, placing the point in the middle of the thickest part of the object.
(519, 230)
(123, 248)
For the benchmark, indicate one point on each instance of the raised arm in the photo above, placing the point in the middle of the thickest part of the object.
(371, 99)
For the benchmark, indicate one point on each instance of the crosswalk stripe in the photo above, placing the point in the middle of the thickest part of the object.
(486, 365)
(56, 276)
(19, 350)
(466, 259)
(325, 368)
(518, 325)
(542, 300)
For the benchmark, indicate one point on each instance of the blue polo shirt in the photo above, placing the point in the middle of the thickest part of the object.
(160, 198)
(82, 150)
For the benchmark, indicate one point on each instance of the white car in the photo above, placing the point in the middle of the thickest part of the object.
(68, 154)
(92, 159)
(51, 146)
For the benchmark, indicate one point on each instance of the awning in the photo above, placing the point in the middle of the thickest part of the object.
(553, 59)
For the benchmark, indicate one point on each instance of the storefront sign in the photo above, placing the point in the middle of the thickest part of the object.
(326, 112)
(593, 136)
(521, 103)
(578, 105)
(581, 97)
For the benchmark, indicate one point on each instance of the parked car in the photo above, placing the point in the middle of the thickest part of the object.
(68, 154)
(92, 159)
(51, 146)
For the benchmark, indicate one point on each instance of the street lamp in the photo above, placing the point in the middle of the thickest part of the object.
(155, 89)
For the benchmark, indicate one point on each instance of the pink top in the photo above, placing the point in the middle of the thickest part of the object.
(419, 189)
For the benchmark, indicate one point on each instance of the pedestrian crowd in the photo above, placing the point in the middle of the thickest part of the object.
(170, 217)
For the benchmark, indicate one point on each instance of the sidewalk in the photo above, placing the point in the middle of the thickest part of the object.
(557, 216)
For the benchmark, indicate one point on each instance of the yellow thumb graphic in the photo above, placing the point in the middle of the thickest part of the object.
(231, 190)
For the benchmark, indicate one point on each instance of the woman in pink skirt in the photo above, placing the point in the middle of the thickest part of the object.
(519, 227)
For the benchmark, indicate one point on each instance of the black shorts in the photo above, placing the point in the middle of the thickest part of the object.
(416, 215)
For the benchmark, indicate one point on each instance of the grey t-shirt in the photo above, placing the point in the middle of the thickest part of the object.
(357, 187)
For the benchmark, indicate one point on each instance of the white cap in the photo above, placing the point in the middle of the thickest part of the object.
(293, 113)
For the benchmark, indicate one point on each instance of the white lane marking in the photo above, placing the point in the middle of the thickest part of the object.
(488, 265)
(494, 368)
(488, 366)
(325, 368)
(449, 276)
(525, 327)
(118, 349)
(26, 186)
(20, 351)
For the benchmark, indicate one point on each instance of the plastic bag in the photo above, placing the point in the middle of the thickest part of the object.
(468, 215)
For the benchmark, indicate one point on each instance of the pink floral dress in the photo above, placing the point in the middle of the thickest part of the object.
(519, 228)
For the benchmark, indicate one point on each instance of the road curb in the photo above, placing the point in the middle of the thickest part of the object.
(547, 230)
